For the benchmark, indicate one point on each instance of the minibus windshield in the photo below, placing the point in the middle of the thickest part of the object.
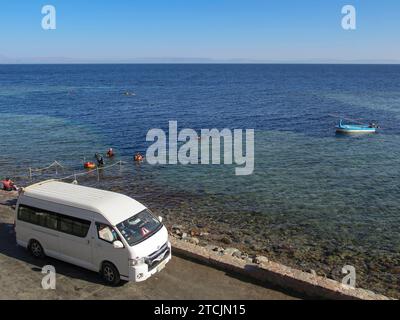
(139, 227)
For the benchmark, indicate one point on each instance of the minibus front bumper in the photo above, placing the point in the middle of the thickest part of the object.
(146, 270)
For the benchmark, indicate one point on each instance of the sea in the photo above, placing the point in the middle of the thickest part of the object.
(315, 201)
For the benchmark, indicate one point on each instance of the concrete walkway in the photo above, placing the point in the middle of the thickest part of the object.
(20, 276)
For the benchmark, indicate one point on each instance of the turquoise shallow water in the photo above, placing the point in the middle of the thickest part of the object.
(315, 201)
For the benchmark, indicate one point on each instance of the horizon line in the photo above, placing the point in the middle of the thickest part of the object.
(205, 63)
(5, 60)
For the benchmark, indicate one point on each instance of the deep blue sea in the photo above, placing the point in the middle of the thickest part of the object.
(315, 201)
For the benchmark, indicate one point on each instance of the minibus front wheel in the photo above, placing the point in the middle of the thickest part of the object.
(110, 274)
(36, 249)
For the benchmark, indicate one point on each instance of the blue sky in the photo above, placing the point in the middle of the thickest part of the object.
(259, 30)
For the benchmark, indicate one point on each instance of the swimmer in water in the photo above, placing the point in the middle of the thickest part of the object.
(110, 153)
(138, 157)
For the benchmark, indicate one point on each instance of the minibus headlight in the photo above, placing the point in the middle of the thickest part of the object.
(136, 262)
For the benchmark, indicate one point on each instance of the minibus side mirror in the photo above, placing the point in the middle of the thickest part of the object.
(118, 244)
(160, 218)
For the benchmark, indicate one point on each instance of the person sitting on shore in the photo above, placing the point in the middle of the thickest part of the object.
(8, 185)
(110, 153)
(100, 159)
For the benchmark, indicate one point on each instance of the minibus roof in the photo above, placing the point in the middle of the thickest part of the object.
(115, 207)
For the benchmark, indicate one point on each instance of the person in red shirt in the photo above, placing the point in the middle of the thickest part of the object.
(8, 185)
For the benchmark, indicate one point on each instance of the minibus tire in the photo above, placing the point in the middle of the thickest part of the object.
(36, 249)
(110, 274)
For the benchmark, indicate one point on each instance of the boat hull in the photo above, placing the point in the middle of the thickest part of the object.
(355, 131)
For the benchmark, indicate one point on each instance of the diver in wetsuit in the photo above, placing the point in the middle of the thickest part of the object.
(100, 159)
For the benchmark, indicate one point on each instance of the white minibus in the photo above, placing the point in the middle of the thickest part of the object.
(99, 230)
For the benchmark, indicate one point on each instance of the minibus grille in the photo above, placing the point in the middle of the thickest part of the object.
(157, 257)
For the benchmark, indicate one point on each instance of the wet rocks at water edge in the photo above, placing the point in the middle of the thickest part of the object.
(176, 227)
(215, 249)
(191, 236)
(177, 230)
(232, 252)
(395, 270)
(178, 233)
(226, 240)
(211, 247)
(261, 260)
(184, 236)
(194, 240)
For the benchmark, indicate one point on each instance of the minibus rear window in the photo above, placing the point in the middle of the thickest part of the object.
(139, 227)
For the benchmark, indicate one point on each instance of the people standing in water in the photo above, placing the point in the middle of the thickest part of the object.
(110, 153)
(9, 185)
(100, 159)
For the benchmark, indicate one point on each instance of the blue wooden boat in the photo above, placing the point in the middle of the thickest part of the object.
(355, 128)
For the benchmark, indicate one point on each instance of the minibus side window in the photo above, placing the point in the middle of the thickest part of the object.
(48, 220)
(38, 217)
(25, 214)
(74, 226)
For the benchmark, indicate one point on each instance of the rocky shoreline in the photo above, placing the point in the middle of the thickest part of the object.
(225, 243)
(198, 237)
